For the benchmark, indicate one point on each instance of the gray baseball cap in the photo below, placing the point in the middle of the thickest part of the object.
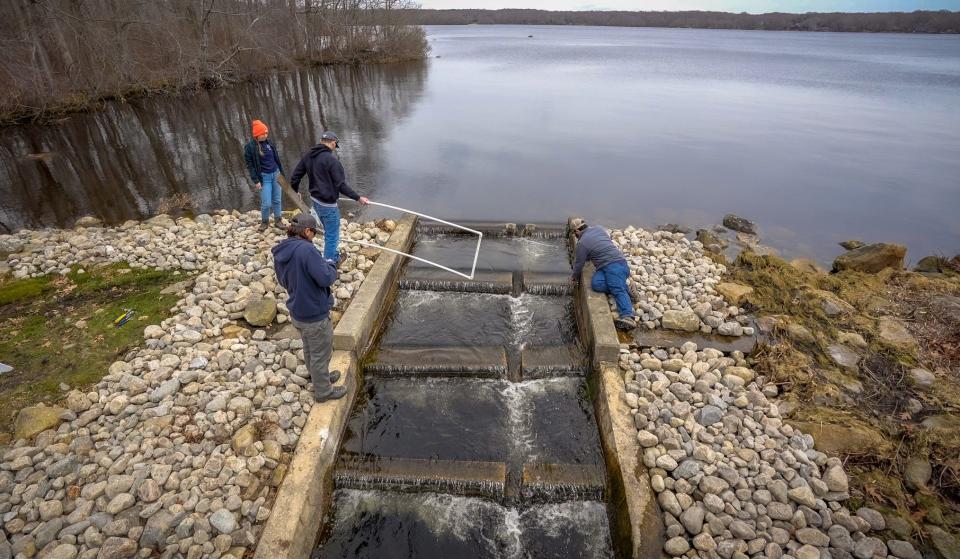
(306, 221)
(330, 135)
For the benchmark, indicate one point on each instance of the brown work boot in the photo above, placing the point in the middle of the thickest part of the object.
(264, 225)
(279, 223)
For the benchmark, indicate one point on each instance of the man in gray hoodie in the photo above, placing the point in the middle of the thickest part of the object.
(595, 245)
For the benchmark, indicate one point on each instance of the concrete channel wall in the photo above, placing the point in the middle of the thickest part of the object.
(357, 328)
(636, 525)
(304, 496)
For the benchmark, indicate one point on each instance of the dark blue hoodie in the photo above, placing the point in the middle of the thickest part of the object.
(327, 177)
(306, 276)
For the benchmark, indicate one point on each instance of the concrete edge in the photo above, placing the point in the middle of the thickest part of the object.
(595, 322)
(304, 495)
(636, 524)
(358, 325)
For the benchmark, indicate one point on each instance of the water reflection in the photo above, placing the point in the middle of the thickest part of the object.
(121, 162)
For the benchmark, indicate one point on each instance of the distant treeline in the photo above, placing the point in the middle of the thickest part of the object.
(893, 22)
(61, 55)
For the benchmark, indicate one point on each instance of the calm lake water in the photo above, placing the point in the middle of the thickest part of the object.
(816, 137)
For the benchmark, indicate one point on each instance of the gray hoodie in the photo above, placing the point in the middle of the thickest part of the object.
(595, 245)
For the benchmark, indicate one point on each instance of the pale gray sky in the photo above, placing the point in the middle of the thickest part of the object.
(753, 6)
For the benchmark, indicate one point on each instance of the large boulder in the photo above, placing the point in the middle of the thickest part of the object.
(685, 320)
(260, 312)
(806, 266)
(917, 472)
(36, 419)
(10, 244)
(894, 333)
(710, 242)
(737, 223)
(851, 438)
(88, 221)
(871, 258)
(947, 308)
(161, 220)
(930, 265)
(733, 292)
(844, 357)
(852, 244)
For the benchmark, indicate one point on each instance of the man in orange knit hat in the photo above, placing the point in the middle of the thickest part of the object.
(264, 166)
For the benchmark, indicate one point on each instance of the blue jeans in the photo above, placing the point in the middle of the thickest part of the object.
(330, 220)
(270, 196)
(612, 279)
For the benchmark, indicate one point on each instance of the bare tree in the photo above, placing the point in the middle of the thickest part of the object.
(62, 55)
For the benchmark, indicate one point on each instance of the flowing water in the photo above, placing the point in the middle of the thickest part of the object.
(818, 137)
(384, 524)
(474, 435)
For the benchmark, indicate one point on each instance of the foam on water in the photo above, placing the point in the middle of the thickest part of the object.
(547, 530)
(463, 286)
(387, 524)
(520, 410)
(432, 318)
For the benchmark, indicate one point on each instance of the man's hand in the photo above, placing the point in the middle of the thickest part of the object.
(364, 200)
(258, 186)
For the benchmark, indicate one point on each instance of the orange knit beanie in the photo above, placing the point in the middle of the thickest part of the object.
(259, 128)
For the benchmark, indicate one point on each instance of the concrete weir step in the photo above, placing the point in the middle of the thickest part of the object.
(497, 229)
(545, 283)
(563, 482)
(552, 361)
(472, 479)
(429, 279)
(439, 361)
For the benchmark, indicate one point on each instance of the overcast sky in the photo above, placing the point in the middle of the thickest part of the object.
(753, 6)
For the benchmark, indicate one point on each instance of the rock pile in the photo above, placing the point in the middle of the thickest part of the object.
(677, 284)
(732, 479)
(180, 446)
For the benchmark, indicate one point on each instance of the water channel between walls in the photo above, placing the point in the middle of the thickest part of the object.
(471, 424)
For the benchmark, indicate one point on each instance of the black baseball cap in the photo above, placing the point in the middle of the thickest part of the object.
(306, 221)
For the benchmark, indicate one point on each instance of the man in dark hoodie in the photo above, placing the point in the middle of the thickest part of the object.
(307, 277)
(327, 182)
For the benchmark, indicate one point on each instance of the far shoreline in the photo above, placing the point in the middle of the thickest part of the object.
(931, 22)
(791, 31)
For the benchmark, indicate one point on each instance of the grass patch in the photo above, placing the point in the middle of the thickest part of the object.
(19, 290)
(68, 335)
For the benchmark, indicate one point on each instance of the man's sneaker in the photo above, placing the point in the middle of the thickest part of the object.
(625, 323)
(279, 223)
(335, 393)
(334, 376)
(264, 225)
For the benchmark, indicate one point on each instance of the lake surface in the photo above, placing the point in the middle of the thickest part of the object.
(816, 137)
